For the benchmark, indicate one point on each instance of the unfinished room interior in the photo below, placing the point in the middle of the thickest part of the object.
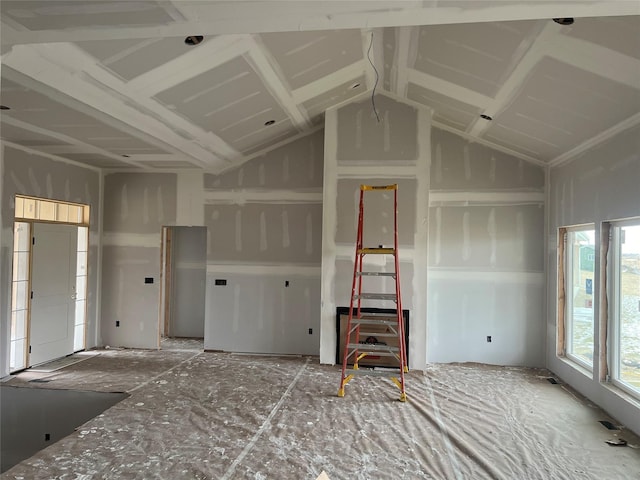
(192, 206)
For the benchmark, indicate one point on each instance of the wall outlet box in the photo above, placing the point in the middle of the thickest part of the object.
(221, 281)
(148, 279)
(117, 323)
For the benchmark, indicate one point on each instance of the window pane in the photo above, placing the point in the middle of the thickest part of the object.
(580, 288)
(629, 307)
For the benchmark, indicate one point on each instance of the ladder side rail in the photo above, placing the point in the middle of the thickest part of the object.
(353, 289)
(400, 316)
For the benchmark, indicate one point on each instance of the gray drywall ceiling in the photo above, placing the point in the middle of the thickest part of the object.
(621, 34)
(129, 59)
(308, 56)
(317, 105)
(446, 110)
(41, 111)
(231, 101)
(560, 106)
(25, 137)
(476, 56)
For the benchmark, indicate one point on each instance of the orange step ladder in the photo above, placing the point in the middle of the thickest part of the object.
(354, 349)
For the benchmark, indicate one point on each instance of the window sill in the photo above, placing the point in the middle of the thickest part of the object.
(577, 366)
(623, 394)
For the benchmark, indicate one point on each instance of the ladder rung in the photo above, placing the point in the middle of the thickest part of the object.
(376, 274)
(381, 335)
(373, 373)
(372, 347)
(379, 187)
(377, 251)
(375, 296)
(372, 321)
(375, 314)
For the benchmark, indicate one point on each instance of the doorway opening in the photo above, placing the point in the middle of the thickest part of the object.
(183, 272)
(58, 264)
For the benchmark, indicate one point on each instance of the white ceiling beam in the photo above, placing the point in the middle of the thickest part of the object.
(54, 65)
(217, 18)
(267, 69)
(57, 158)
(539, 46)
(448, 89)
(333, 80)
(202, 58)
(403, 59)
(597, 59)
(75, 145)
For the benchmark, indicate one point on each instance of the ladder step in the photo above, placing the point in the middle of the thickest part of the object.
(373, 373)
(373, 321)
(377, 251)
(372, 347)
(375, 296)
(375, 274)
(380, 335)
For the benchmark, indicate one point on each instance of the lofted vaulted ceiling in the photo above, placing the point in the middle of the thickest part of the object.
(114, 85)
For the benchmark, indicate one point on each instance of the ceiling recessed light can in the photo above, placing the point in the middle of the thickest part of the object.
(125, 155)
(269, 122)
(4, 107)
(192, 40)
(486, 117)
(564, 21)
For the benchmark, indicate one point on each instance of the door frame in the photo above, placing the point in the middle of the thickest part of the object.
(30, 210)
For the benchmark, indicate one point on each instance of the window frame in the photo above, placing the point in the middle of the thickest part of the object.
(565, 300)
(614, 323)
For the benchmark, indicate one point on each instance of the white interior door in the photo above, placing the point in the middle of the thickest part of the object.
(53, 283)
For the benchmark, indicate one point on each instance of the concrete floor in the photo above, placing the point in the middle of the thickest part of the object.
(197, 415)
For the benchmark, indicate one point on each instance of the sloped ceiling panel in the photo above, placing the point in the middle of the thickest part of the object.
(39, 110)
(446, 110)
(621, 34)
(477, 56)
(230, 101)
(561, 106)
(130, 59)
(25, 137)
(308, 56)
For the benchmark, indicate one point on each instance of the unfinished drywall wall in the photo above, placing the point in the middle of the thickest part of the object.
(39, 176)
(598, 186)
(361, 150)
(137, 205)
(486, 255)
(263, 252)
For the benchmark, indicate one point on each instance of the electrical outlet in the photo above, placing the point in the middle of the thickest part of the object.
(47, 437)
(286, 283)
(488, 338)
(148, 279)
(311, 331)
(220, 282)
(117, 323)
